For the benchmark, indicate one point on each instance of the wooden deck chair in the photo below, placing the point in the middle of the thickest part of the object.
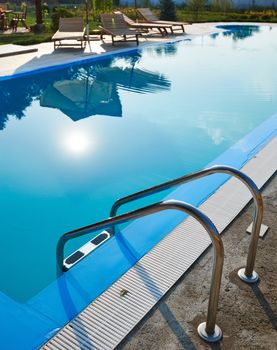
(70, 29)
(3, 6)
(162, 28)
(20, 17)
(148, 16)
(114, 25)
(3, 18)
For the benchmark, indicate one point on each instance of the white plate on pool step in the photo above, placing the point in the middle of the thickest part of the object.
(263, 230)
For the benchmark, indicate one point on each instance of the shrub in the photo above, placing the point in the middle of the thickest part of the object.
(168, 10)
(57, 13)
(196, 6)
(222, 5)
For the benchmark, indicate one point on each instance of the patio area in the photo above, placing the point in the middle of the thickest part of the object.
(46, 56)
(247, 314)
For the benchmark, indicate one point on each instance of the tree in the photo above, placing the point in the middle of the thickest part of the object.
(196, 6)
(168, 10)
(223, 5)
(39, 20)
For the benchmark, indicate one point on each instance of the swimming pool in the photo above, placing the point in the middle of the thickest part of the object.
(74, 139)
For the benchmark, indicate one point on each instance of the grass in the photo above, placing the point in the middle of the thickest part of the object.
(28, 38)
(230, 16)
(31, 38)
(182, 14)
(25, 38)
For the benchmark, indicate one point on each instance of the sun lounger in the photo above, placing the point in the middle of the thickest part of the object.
(148, 16)
(162, 28)
(114, 25)
(70, 29)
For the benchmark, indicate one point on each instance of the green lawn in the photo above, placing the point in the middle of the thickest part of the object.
(182, 14)
(35, 38)
(230, 16)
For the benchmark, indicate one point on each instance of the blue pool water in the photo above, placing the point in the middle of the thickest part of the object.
(74, 139)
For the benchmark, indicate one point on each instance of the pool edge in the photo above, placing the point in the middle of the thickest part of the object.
(149, 281)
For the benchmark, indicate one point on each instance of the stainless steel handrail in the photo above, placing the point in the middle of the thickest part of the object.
(248, 274)
(207, 330)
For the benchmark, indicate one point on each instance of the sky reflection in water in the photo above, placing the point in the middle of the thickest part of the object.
(74, 140)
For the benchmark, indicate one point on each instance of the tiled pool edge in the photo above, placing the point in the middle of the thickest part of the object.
(94, 57)
(149, 279)
(40, 318)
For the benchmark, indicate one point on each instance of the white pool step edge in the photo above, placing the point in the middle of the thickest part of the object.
(108, 320)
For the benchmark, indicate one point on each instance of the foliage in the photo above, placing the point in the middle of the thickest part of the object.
(130, 12)
(101, 6)
(186, 14)
(168, 10)
(264, 15)
(196, 6)
(45, 9)
(13, 6)
(222, 5)
(57, 13)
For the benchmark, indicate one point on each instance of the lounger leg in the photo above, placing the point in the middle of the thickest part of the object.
(24, 23)
(113, 39)
(161, 31)
(137, 39)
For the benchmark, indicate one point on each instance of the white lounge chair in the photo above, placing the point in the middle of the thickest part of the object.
(162, 28)
(114, 25)
(70, 29)
(148, 16)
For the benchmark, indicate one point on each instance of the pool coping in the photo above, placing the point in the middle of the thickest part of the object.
(42, 324)
(202, 29)
(111, 317)
(11, 50)
(77, 299)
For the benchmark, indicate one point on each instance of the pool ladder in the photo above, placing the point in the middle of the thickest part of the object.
(208, 330)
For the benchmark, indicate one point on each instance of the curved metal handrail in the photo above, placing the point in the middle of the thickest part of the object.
(210, 326)
(248, 274)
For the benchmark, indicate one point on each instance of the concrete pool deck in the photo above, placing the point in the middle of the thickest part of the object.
(46, 56)
(247, 314)
(106, 322)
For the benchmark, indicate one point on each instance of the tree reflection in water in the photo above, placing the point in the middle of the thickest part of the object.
(239, 32)
(79, 91)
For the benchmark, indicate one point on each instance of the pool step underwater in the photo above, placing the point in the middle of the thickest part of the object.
(110, 318)
(86, 249)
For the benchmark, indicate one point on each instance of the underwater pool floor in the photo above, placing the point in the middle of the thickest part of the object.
(112, 316)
